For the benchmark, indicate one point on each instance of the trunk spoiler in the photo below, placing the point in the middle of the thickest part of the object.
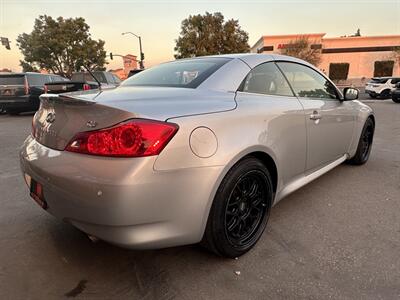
(68, 99)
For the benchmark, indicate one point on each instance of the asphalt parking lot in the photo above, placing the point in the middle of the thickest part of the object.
(338, 237)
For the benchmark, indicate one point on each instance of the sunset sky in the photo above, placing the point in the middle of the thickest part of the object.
(158, 22)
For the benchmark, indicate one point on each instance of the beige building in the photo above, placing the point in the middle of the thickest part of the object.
(130, 62)
(366, 56)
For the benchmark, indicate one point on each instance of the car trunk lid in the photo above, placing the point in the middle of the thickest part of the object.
(61, 117)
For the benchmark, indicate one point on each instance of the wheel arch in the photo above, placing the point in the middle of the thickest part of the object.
(264, 154)
(364, 113)
(372, 117)
(386, 92)
(269, 163)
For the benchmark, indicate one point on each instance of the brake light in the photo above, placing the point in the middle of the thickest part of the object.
(133, 138)
(26, 86)
(45, 89)
(86, 87)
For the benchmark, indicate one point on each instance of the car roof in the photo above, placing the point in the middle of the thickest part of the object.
(254, 59)
(386, 77)
(230, 75)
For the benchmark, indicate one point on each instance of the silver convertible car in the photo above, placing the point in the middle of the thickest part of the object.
(194, 150)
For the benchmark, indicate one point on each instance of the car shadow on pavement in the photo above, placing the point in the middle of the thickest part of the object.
(137, 273)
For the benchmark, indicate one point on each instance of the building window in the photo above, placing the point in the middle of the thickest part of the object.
(265, 48)
(338, 71)
(383, 68)
(316, 46)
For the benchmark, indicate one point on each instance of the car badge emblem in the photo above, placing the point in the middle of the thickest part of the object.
(91, 124)
(51, 117)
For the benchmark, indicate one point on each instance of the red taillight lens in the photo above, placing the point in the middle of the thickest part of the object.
(45, 89)
(26, 86)
(132, 138)
(86, 87)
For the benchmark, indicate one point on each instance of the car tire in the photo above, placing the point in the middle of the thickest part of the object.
(396, 99)
(384, 94)
(364, 144)
(372, 96)
(241, 208)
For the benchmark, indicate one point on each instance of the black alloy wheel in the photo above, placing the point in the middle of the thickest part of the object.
(241, 209)
(366, 140)
(247, 206)
(364, 144)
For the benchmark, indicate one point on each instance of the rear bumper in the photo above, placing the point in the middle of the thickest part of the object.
(122, 201)
(22, 103)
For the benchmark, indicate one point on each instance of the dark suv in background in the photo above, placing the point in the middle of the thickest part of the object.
(396, 93)
(19, 92)
(83, 81)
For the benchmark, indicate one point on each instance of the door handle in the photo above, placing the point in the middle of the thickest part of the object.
(315, 116)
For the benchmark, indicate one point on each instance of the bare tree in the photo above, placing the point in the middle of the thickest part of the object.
(396, 55)
(302, 48)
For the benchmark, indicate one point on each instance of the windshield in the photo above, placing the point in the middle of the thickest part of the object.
(12, 79)
(181, 73)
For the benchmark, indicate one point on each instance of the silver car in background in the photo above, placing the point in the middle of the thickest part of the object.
(194, 150)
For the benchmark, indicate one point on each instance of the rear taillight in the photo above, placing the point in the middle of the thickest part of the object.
(133, 138)
(45, 89)
(26, 86)
(86, 87)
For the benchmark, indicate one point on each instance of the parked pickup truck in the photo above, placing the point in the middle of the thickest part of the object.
(83, 81)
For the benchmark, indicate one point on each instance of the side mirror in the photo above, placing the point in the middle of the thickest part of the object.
(350, 93)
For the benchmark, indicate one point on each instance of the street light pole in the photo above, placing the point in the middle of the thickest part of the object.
(140, 47)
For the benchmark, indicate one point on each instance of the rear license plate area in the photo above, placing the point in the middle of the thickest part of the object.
(7, 92)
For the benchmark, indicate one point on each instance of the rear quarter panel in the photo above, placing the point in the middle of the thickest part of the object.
(251, 127)
(273, 125)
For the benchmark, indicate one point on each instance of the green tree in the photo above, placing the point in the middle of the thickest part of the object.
(209, 34)
(302, 48)
(61, 46)
(26, 67)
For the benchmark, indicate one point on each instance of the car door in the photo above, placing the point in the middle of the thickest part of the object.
(267, 98)
(329, 120)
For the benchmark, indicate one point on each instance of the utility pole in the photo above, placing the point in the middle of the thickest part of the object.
(141, 64)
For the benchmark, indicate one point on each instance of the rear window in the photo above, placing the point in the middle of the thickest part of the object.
(87, 77)
(56, 78)
(181, 73)
(38, 79)
(12, 80)
(379, 80)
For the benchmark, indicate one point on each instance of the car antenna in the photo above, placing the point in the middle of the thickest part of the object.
(91, 73)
